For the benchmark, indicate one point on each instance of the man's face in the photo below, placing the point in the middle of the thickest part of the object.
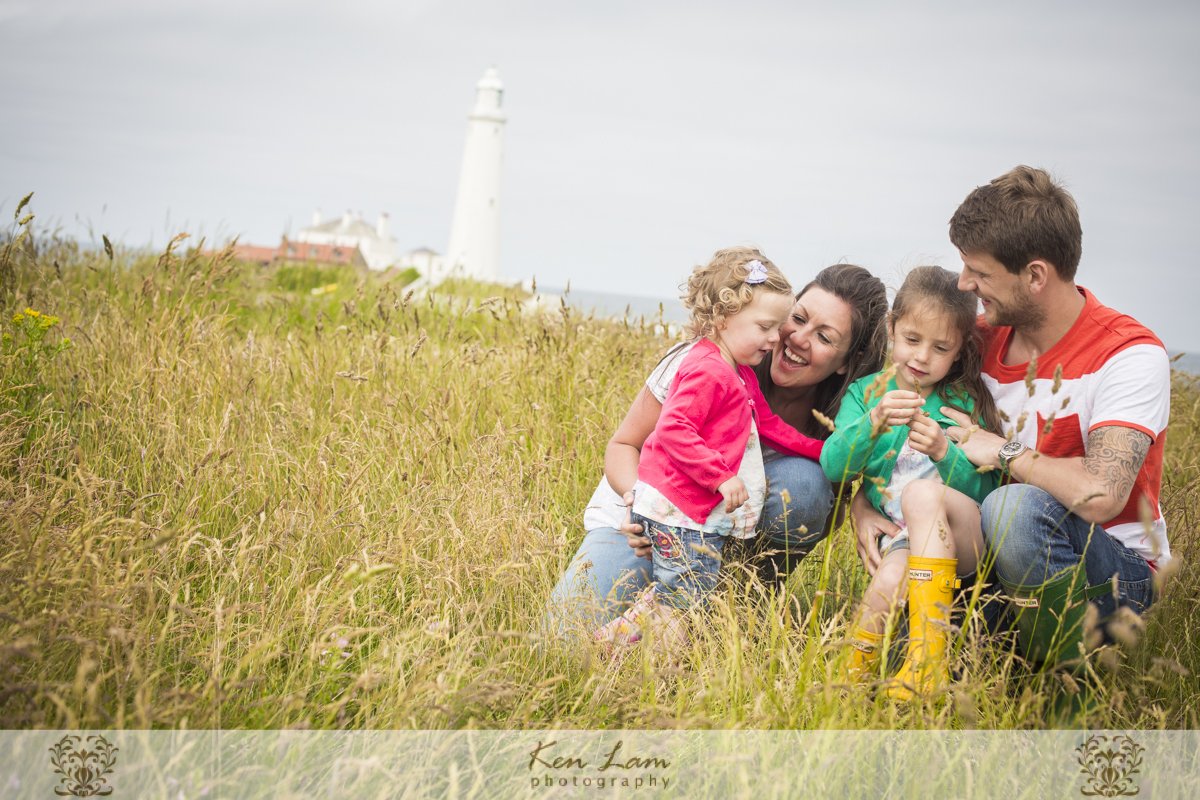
(1005, 297)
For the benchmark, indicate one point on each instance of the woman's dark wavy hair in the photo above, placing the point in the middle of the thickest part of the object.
(939, 287)
(867, 299)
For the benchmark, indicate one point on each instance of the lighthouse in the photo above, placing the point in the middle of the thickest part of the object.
(474, 250)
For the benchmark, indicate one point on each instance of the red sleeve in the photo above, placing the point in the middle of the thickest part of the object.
(696, 391)
(773, 430)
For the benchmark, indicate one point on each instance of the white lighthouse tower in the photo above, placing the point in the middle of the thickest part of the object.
(474, 250)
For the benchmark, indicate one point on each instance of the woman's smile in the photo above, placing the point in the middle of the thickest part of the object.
(790, 356)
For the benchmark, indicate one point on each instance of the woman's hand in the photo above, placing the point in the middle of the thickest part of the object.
(869, 525)
(926, 436)
(634, 533)
(734, 492)
(895, 408)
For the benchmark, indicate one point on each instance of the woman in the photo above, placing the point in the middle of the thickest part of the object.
(834, 336)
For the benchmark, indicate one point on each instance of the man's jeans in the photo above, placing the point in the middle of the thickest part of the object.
(1035, 538)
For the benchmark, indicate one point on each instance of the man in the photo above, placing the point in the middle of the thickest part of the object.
(1085, 391)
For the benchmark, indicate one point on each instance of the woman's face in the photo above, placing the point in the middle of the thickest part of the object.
(813, 342)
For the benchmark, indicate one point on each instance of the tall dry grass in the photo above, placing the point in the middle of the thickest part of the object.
(231, 502)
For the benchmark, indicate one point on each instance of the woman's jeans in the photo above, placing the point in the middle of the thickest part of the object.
(1035, 538)
(795, 516)
(604, 575)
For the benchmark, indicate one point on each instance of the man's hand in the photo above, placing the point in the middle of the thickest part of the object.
(926, 436)
(982, 447)
(895, 408)
(634, 533)
(734, 492)
(869, 524)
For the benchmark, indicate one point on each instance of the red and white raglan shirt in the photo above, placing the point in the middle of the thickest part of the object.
(1114, 371)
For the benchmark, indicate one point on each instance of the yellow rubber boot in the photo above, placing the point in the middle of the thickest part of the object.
(862, 662)
(931, 585)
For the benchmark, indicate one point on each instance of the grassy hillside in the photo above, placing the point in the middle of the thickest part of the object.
(235, 498)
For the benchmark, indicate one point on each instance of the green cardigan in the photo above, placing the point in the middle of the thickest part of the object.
(850, 449)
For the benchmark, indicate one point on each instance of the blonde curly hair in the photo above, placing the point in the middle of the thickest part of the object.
(719, 290)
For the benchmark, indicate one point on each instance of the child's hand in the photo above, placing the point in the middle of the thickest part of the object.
(734, 492)
(926, 436)
(895, 408)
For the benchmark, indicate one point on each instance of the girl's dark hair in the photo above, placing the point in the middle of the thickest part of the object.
(940, 287)
(867, 298)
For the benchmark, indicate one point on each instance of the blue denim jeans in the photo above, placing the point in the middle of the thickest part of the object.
(795, 516)
(687, 562)
(604, 575)
(1035, 538)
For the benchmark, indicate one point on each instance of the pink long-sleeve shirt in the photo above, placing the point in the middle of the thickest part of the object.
(701, 433)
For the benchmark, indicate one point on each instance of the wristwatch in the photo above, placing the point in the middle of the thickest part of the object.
(1009, 451)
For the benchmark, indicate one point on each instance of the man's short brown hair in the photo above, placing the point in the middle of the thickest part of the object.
(1022, 216)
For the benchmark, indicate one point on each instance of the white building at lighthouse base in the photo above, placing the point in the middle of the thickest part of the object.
(377, 245)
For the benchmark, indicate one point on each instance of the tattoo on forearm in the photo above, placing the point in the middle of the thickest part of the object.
(1114, 455)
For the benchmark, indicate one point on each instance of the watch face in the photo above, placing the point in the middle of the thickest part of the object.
(1011, 450)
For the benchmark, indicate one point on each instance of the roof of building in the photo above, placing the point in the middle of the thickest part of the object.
(343, 226)
(290, 250)
(253, 252)
(325, 253)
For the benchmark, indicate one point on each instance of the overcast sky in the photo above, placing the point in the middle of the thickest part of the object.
(641, 137)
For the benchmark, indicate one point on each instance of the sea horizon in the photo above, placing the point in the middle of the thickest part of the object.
(616, 305)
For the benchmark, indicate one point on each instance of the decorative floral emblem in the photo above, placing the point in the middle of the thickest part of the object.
(665, 543)
(1108, 768)
(83, 765)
